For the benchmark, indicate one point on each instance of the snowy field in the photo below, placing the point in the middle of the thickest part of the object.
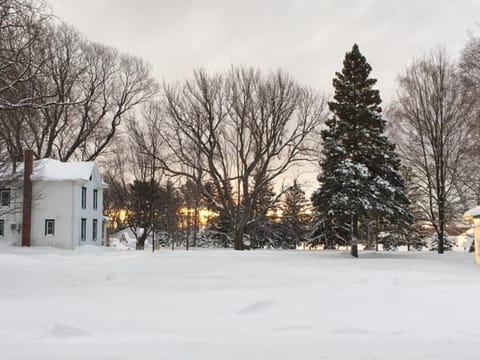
(104, 304)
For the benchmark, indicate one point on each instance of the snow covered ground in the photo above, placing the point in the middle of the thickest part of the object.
(96, 303)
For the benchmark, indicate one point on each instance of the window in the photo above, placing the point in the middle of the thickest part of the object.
(94, 229)
(49, 227)
(2, 227)
(84, 197)
(5, 197)
(95, 199)
(83, 230)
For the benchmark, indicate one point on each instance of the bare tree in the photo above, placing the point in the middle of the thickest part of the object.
(86, 90)
(116, 170)
(22, 30)
(470, 66)
(145, 196)
(96, 87)
(432, 117)
(470, 80)
(241, 129)
(114, 85)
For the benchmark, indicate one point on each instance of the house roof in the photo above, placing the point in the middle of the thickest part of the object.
(472, 213)
(54, 170)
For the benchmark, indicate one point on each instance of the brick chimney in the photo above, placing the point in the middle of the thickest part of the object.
(27, 197)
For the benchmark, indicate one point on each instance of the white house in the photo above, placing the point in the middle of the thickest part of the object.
(474, 215)
(63, 208)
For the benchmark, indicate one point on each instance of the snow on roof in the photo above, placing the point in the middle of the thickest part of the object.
(472, 213)
(54, 170)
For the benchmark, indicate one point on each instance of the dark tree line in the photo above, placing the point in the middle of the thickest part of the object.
(174, 214)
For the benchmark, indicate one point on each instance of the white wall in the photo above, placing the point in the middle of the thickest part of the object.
(88, 213)
(13, 218)
(52, 200)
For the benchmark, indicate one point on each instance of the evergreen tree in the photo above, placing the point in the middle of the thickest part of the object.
(360, 169)
(447, 243)
(144, 199)
(170, 217)
(330, 231)
(191, 203)
(219, 232)
(295, 220)
(264, 232)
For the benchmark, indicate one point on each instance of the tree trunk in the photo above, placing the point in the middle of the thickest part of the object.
(370, 241)
(238, 240)
(153, 241)
(354, 244)
(195, 224)
(441, 228)
(141, 241)
(189, 227)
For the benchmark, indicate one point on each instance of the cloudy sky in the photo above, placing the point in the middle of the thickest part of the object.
(307, 38)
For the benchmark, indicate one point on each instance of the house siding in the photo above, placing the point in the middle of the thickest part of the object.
(53, 202)
(89, 213)
(12, 217)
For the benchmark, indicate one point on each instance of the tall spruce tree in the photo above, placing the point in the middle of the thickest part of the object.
(295, 219)
(360, 175)
(262, 232)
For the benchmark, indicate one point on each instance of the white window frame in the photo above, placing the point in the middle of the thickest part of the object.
(7, 191)
(47, 232)
(95, 199)
(83, 229)
(84, 197)
(95, 230)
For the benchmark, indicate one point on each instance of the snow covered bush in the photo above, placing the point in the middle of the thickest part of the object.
(419, 243)
(389, 241)
(209, 238)
(447, 242)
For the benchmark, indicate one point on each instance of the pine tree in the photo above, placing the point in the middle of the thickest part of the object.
(191, 202)
(170, 219)
(263, 232)
(360, 169)
(295, 220)
(447, 243)
(144, 199)
(219, 232)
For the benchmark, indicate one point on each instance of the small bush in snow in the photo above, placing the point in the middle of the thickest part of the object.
(447, 242)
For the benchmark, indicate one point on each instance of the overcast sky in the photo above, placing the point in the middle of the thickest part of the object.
(307, 38)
